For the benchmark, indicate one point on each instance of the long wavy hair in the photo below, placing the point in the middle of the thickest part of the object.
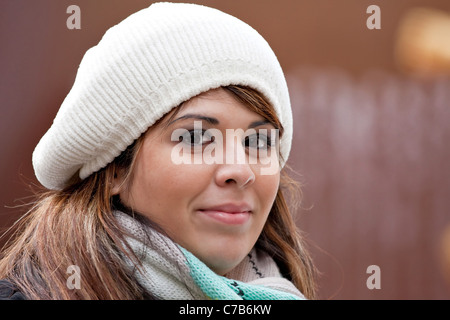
(76, 226)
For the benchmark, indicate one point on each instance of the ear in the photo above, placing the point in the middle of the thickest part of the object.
(117, 184)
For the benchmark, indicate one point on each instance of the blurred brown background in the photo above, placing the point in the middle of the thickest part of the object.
(371, 143)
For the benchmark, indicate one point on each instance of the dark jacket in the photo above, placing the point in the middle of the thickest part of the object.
(9, 292)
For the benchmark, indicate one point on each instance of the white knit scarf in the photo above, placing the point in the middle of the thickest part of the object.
(169, 272)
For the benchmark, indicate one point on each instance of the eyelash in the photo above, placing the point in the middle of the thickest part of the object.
(188, 140)
(259, 137)
(201, 133)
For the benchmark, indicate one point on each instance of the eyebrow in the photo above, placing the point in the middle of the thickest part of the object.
(259, 123)
(214, 121)
(196, 116)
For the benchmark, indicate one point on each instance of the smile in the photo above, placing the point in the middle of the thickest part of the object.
(229, 214)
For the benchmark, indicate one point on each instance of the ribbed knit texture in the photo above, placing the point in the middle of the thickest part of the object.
(142, 68)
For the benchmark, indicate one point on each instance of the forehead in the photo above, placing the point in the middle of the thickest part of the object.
(215, 103)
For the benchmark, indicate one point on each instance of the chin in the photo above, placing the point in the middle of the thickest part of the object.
(223, 259)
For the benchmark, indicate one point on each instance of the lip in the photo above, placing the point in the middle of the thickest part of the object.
(230, 213)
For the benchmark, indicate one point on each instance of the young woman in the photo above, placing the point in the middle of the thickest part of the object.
(164, 171)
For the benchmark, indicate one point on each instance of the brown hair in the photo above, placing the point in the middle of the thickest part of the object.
(76, 226)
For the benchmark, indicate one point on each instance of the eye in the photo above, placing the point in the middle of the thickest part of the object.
(258, 141)
(196, 138)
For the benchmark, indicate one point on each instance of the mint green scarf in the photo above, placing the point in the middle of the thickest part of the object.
(170, 272)
(221, 288)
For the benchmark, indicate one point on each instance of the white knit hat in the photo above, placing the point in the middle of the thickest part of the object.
(143, 67)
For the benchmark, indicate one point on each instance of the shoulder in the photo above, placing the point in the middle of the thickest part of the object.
(9, 292)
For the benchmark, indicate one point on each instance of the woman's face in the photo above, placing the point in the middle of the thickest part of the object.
(214, 208)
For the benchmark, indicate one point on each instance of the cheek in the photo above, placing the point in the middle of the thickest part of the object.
(267, 188)
(162, 190)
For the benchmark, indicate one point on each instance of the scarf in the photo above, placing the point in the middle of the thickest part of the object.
(170, 272)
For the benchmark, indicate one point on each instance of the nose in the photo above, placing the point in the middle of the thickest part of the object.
(236, 169)
(240, 175)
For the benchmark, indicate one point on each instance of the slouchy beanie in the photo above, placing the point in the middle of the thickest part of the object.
(140, 70)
